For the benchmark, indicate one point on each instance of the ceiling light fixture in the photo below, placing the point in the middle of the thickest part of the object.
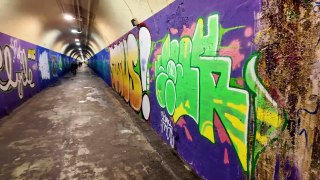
(75, 31)
(77, 40)
(68, 17)
(78, 44)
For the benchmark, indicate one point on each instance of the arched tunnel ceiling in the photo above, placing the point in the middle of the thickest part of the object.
(101, 22)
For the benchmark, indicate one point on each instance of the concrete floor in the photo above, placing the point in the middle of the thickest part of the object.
(80, 129)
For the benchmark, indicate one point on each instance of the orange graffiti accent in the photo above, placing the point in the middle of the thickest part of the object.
(125, 80)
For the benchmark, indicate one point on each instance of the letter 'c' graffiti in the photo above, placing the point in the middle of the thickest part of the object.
(129, 70)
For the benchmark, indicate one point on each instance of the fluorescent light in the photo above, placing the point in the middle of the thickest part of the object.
(77, 40)
(75, 31)
(68, 17)
(78, 44)
(80, 49)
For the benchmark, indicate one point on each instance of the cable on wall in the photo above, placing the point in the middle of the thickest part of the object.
(128, 8)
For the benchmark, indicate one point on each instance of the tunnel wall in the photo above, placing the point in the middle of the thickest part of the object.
(232, 86)
(100, 63)
(26, 69)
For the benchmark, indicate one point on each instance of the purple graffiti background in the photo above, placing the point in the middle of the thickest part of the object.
(10, 99)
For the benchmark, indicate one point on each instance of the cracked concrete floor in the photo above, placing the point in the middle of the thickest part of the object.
(80, 129)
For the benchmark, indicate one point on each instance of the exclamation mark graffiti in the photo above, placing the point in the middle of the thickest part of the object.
(145, 46)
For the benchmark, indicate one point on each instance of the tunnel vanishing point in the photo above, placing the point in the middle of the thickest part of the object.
(168, 89)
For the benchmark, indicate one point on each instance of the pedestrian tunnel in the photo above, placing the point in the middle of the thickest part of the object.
(153, 89)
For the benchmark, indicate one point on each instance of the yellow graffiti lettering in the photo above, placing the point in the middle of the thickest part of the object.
(241, 149)
(235, 122)
(187, 104)
(179, 111)
(271, 118)
(135, 83)
(241, 107)
(125, 77)
(261, 139)
(207, 130)
(217, 101)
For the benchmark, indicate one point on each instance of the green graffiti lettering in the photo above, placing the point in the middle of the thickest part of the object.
(191, 79)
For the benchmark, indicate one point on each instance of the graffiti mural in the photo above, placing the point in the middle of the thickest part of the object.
(185, 64)
(220, 83)
(129, 70)
(22, 71)
(195, 62)
(44, 65)
(55, 65)
(18, 73)
(15, 79)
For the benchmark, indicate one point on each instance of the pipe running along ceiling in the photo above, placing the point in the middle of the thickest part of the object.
(98, 22)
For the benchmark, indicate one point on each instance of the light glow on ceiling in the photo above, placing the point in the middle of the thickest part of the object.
(68, 17)
(75, 31)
